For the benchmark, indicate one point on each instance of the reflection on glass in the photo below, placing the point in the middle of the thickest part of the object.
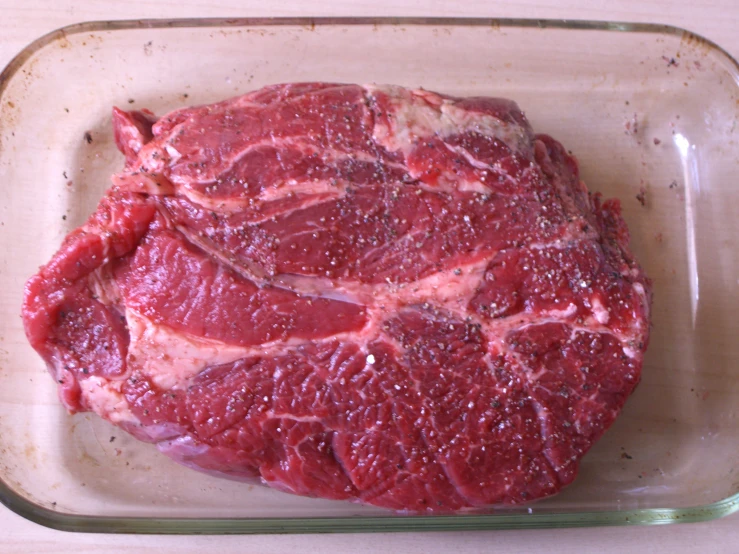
(692, 189)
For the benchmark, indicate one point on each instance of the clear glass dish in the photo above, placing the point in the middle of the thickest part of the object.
(649, 110)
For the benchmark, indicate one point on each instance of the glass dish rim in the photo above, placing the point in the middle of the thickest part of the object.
(146, 525)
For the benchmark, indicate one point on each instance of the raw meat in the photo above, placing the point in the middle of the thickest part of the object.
(370, 293)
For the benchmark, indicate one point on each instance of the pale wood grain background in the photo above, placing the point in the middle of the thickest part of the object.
(24, 20)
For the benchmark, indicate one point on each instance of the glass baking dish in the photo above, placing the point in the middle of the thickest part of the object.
(650, 111)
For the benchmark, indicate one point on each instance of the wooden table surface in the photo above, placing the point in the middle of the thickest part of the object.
(25, 20)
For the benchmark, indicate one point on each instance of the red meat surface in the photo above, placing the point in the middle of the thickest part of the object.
(371, 293)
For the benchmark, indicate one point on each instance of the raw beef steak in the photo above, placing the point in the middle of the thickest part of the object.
(371, 293)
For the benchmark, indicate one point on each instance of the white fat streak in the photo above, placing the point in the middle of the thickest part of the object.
(451, 182)
(641, 293)
(467, 185)
(449, 289)
(314, 193)
(152, 158)
(474, 162)
(599, 311)
(153, 184)
(103, 286)
(445, 288)
(414, 117)
(473, 185)
(320, 189)
(170, 358)
(571, 235)
(269, 414)
(497, 330)
(105, 398)
(592, 325)
(174, 154)
(630, 352)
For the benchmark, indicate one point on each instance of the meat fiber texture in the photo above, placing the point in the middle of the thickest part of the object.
(371, 293)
